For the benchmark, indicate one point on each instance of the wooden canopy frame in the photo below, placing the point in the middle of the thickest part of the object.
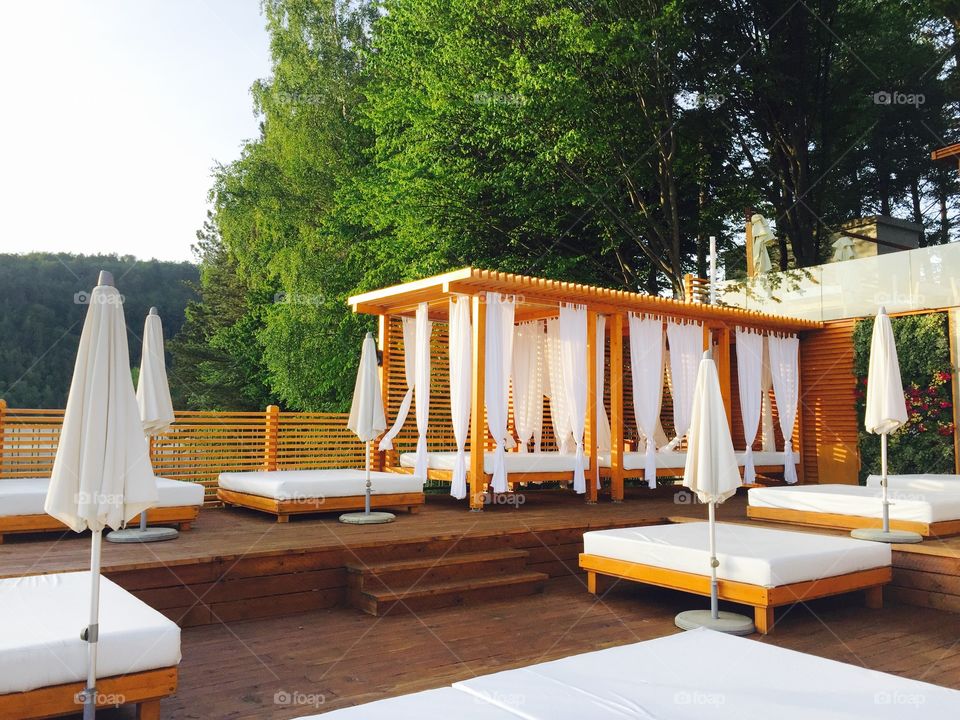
(540, 298)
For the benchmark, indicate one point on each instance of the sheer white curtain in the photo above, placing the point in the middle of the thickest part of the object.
(749, 371)
(421, 387)
(646, 371)
(559, 414)
(603, 421)
(686, 349)
(527, 381)
(543, 380)
(785, 371)
(768, 441)
(409, 374)
(461, 387)
(499, 349)
(573, 359)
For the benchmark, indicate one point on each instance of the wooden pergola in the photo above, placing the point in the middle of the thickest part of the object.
(540, 298)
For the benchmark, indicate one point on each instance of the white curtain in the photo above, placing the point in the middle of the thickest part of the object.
(749, 372)
(527, 381)
(421, 387)
(603, 421)
(409, 374)
(543, 380)
(768, 441)
(573, 360)
(646, 372)
(559, 414)
(461, 387)
(686, 350)
(785, 371)
(499, 349)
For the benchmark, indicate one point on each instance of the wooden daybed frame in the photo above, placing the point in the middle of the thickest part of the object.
(283, 509)
(181, 515)
(762, 599)
(146, 689)
(807, 518)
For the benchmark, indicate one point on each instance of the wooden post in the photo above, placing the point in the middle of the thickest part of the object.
(798, 423)
(272, 430)
(723, 370)
(616, 408)
(748, 230)
(590, 434)
(688, 287)
(379, 459)
(478, 430)
(3, 426)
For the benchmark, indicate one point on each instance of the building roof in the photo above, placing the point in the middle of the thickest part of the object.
(540, 297)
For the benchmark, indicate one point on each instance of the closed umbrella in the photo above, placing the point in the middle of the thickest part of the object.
(156, 414)
(367, 421)
(101, 476)
(711, 472)
(886, 411)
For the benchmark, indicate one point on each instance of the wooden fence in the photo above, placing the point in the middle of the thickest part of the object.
(199, 445)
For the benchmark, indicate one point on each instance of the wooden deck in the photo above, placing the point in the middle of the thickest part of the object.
(288, 663)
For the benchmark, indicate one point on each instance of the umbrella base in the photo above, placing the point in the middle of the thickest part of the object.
(727, 622)
(145, 535)
(891, 536)
(374, 518)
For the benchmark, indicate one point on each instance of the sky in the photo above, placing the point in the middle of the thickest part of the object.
(114, 113)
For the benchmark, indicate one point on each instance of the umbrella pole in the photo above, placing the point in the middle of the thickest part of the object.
(883, 481)
(366, 507)
(714, 590)
(93, 629)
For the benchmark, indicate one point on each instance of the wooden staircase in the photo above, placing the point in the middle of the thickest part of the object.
(452, 578)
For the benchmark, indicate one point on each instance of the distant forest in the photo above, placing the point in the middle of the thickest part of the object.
(42, 310)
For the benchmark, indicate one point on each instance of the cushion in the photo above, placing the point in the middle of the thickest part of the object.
(905, 504)
(516, 462)
(312, 484)
(25, 496)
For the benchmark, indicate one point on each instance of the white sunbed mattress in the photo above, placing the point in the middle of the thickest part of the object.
(705, 674)
(747, 554)
(905, 504)
(25, 496)
(677, 460)
(302, 484)
(43, 616)
(950, 483)
(516, 462)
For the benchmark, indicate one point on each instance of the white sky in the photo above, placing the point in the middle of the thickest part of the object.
(113, 113)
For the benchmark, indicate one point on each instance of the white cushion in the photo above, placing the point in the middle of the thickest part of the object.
(313, 484)
(516, 462)
(951, 483)
(441, 704)
(43, 616)
(704, 674)
(910, 505)
(25, 496)
(747, 554)
(677, 460)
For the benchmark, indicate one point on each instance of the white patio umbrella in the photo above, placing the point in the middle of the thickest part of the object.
(367, 421)
(101, 476)
(712, 473)
(886, 411)
(156, 414)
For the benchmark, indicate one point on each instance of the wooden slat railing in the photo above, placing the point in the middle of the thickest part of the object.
(199, 445)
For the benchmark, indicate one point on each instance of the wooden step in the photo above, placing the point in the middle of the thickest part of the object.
(449, 593)
(402, 574)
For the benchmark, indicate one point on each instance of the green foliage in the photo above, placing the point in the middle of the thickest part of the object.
(925, 443)
(42, 313)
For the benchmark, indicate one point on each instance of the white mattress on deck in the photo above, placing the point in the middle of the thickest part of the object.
(43, 616)
(911, 505)
(302, 484)
(950, 483)
(516, 462)
(747, 554)
(25, 496)
(677, 460)
(704, 674)
(440, 704)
